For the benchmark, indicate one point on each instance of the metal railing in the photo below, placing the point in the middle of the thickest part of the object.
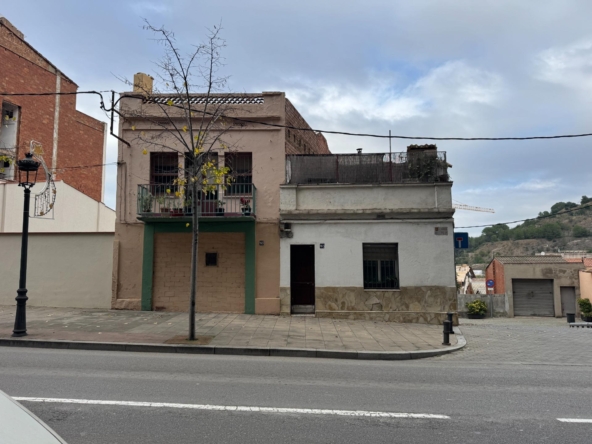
(408, 167)
(162, 200)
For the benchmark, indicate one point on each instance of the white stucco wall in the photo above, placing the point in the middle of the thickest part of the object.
(425, 259)
(366, 197)
(64, 270)
(73, 211)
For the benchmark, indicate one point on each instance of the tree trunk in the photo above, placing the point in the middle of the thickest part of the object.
(194, 244)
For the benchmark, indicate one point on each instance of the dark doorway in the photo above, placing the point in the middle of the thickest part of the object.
(302, 278)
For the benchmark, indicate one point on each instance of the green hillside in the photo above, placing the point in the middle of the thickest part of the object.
(567, 226)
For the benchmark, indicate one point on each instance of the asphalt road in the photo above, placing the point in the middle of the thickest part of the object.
(485, 402)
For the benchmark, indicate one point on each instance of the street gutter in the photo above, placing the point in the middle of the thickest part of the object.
(227, 350)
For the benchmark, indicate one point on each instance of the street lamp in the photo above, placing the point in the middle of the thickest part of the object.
(27, 168)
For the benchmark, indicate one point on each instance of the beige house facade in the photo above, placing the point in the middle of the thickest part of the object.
(239, 250)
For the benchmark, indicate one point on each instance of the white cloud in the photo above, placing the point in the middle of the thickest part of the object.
(146, 7)
(529, 185)
(569, 65)
(454, 87)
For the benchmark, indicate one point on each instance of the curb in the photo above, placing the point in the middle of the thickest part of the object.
(225, 350)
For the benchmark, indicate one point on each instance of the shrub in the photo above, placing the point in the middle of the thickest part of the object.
(579, 231)
(477, 307)
(585, 306)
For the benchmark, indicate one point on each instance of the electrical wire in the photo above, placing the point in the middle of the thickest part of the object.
(342, 133)
(581, 207)
(86, 166)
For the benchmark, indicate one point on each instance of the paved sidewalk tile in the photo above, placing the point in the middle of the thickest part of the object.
(525, 340)
(223, 329)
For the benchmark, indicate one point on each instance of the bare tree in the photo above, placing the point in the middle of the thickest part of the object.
(190, 118)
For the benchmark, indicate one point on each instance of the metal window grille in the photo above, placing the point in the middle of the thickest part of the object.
(211, 259)
(164, 169)
(381, 266)
(241, 173)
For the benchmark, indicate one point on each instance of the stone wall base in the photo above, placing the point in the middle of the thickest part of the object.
(411, 317)
(126, 304)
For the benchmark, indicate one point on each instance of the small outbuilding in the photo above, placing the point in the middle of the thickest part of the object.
(536, 285)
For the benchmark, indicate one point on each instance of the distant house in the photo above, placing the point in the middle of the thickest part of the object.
(586, 279)
(476, 286)
(536, 285)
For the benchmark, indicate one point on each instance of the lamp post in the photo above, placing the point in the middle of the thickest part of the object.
(27, 176)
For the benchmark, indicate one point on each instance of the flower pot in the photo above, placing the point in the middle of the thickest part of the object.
(246, 211)
(587, 318)
(475, 316)
(571, 317)
(176, 212)
(220, 212)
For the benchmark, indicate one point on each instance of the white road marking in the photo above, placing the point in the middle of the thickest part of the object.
(237, 408)
(575, 420)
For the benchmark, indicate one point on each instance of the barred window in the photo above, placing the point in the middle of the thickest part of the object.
(381, 266)
(164, 169)
(241, 172)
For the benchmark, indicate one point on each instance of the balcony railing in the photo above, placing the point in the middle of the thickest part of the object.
(371, 168)
(160, 200)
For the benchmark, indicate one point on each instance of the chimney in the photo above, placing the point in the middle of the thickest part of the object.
(143, 83)
(4, 22)
(359, 150)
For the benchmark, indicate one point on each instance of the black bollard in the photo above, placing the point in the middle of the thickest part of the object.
(446, 340)
(450, 314)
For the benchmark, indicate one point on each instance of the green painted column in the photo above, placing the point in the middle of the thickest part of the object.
(250, 268)
(147, 267)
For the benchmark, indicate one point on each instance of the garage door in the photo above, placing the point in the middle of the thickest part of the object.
(533, 297)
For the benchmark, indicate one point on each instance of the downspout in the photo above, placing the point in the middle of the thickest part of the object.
(56, 123)
(3, 213)
(106, 134)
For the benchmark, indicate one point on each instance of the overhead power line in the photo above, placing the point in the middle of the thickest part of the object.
(341, 133)
(581, 207)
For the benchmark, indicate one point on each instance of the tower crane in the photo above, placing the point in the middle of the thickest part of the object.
(461, 206)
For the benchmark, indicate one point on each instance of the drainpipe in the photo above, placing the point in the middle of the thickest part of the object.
(56, 123)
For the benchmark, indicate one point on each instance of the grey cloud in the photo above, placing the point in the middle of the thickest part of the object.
(440, 67)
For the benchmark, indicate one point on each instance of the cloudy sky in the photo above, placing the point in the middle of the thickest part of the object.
(458, 68)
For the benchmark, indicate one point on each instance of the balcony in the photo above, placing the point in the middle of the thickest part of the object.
(425, 166)
(159, 202)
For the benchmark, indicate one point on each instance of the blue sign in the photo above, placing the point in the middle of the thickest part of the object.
(490, 283)
(461, 240)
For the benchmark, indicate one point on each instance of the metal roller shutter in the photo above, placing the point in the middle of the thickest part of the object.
(533, 297)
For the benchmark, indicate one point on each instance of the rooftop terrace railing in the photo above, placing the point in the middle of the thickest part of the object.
(371, 168)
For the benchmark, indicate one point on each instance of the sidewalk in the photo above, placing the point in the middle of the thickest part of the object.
(227, 333)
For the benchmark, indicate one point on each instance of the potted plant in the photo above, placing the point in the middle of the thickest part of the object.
(146, 201)
(220, 208)
(585, 309)
(476, 309)
(163, 205)
(245, 206)
(176, 209)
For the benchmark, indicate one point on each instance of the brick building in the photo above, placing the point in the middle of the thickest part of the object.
(69, 138)
(239, 251)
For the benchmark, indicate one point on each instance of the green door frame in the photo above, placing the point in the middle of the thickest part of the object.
(247, 227)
